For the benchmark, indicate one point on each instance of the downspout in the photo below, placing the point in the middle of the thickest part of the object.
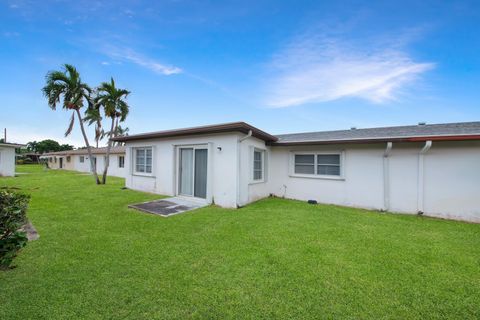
(386, 176)
(421, 176)
(239, 141)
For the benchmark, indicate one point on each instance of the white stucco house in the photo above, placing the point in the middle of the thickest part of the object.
(7, 159)
(78, 160)
(428, 169)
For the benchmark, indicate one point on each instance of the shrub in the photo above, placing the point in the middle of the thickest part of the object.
(20, 161)
(27, 160)
(13, 209)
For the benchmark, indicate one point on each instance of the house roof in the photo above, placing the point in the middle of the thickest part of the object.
(420, 132)
(216, 128)
(113, 150)
(11, 145)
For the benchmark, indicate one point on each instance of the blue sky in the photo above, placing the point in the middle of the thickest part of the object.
(283, 66)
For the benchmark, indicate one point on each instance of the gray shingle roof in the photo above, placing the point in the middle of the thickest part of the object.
(383, 133)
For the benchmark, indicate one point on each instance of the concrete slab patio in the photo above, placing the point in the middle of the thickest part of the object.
(168, 207)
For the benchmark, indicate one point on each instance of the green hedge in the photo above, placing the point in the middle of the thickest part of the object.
(13, 210)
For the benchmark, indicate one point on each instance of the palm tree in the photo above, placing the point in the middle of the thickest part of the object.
(119, 132)
(92, 115)
(32, 146)
(67, 87)
(115, 108)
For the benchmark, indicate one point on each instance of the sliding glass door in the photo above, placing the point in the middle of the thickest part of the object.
(193, 172)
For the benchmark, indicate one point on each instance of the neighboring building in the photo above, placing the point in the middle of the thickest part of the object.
(7, 159)
(78, 160)
(432, 169)
(33, 156)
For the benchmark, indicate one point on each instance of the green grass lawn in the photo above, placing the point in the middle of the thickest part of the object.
(276, 258)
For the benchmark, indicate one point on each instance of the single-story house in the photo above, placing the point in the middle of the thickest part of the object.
(7, 159)
(429, 169)
(78, 160)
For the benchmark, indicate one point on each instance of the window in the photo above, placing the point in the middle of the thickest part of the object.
(328, 164)
(258, 164)
(55, 159)
(305, 164)
(68, 158)
(143, 160)
(121, 161)
(50, 159)
(82, 159)
(319, 164)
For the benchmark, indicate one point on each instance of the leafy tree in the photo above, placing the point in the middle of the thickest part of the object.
(47, 145)
(66, 87)
(112, 100)
(32, 146)
(66, 147)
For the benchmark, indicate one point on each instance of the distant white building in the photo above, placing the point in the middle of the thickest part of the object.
(78, 160)
(7, 159)
(430, 169)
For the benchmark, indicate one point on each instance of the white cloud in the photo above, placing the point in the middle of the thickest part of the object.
(127, 54)
(322, 68)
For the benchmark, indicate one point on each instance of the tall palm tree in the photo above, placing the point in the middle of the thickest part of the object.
(115, 108)
(66, 88)
(93, 116)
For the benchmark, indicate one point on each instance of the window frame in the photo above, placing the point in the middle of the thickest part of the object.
(123, 161)
(315, 175)
(134, 162)
(81, 159)
(263, 153)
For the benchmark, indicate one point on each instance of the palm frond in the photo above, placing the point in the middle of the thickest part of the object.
(70, 126)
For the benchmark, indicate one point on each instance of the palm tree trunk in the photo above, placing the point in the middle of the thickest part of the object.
(89, 149)
(116, 131)
(109, 146)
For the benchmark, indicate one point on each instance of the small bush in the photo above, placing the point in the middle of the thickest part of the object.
(27, 160)
(20, 161)
(13, 209)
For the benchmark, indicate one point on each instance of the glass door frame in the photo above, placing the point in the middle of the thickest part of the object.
(178, 168)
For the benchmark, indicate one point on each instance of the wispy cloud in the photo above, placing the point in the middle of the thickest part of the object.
(130, 55)
(321, 68)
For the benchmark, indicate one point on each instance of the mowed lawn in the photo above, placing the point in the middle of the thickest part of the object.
(97, 259)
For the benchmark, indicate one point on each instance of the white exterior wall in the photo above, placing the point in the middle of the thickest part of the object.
(7, 161)
(222, 166)
(451, 185)
(113, 169)
(250, 190)
(81, 166)
(76, 165)
(360, 186)
(451, 175)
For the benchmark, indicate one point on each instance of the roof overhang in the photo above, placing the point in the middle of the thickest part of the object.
(379, 140)
(11, 145)
(211, 129)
